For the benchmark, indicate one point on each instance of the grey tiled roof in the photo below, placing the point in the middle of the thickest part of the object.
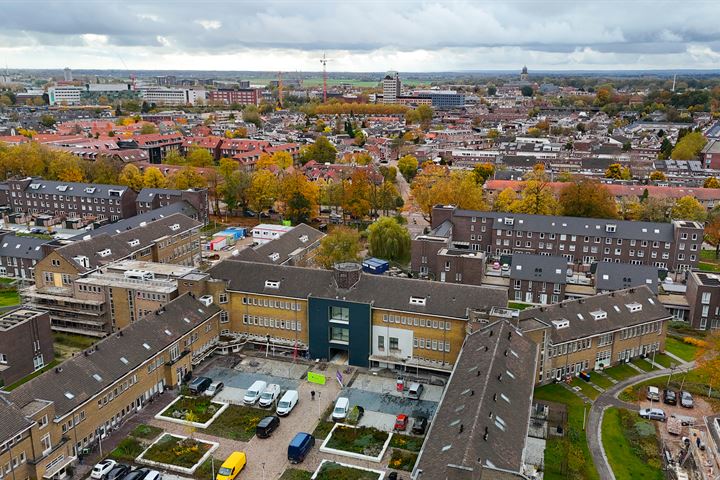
(76, 383)
(579, 313)
(90, 190)
(445, 299)
(300, 237)
(147, 194)
(539, 268)
(22, 247)
(483, 416)
(662, 232)
(617, 276)
(12, 421)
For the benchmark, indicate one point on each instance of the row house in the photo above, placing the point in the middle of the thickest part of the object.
(19, 255)
(703, 298)
(68, 199)
(596, 332)
(46, 423)
(149, 199)
(174, 240)
(537, 279)
(372, 320)
(582, 241)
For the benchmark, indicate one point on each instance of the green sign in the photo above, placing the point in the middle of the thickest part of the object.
(287, 223)
(316, 378)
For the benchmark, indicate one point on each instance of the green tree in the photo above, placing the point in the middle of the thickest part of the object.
(527, 91)
(322, 151)
(251, 115)
(654, 209)
(491, 90)
(587, 198)
(342, 244)
(131, 177)
(199, 157)
(666, 148)
(389, 240)
(173, 157)
(688, 208)
(425, 115)
(483, 171)
(408, 166)
(148, 128)
(47, 120)
(711, 182)
(689, 146)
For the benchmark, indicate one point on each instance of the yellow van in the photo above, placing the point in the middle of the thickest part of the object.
(232, 466)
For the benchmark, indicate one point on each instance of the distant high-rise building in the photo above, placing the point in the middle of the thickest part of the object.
(391, 87)
(67, 74)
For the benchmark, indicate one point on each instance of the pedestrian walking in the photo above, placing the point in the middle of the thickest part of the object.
(312, 394)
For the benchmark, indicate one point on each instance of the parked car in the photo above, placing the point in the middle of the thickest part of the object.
(401, 422)
(420, 424)
(152, 475)
(101, 469)
(686, 400)
(250, 213)
(415, 390)
(138, 474)
(269, 395)
(653, 393)
(653, 414)
(214, 389)
(253, 393)
(266, 426)
(342, 407)
(669, 397)
(299, 447)
(505, 270)
(287, 403)
(232, 466)
(199, 384)
(117, 472)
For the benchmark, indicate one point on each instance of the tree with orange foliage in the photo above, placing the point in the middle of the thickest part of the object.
(707, 360)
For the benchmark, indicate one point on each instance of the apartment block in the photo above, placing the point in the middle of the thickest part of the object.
(26, 343)
(582, 241)
(436, 256)
(62, 200)
(154, 198)
(295, 248)
(83, 306)
(595, 332)
(173, 96)
(46, 422)
(228, 96)
(703, 297)
(537, 279)
(370, 320)
(19, 255)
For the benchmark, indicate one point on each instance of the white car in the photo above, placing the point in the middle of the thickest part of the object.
(101, 469)
(214, 389)
(269, 395)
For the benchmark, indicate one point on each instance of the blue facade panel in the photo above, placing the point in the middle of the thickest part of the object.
(337, 325)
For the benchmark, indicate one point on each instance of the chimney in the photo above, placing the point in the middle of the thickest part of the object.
(347, 274)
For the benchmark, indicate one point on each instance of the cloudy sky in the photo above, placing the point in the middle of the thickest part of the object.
(368, 35)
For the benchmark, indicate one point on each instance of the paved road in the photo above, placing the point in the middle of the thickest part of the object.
(607, 399)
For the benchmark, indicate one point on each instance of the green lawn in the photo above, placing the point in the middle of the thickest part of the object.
(6, 280)
(708, 267)
(621, 372)
(630, 445)
(680, 349)
(148, 432)
(664, 360)
(9, 298)
(127, 450)
(585, 387)
(567, 457)
(600, 380)
(32, 375)
(519, 305)
(693, 382)
(71, 340)
(643, 364)
(295, 474)
(237, 422)
(708, 255)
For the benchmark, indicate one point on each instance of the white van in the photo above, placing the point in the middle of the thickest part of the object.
(287, 403)
(253, 393)
(342, 407)
(269, 395)
(415, 390)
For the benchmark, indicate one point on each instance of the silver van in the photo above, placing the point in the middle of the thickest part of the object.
(415, 390)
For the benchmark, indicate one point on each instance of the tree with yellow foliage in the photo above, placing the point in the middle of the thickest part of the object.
(299, 198)
(708, 362)
(505, 200)
(186, 178)
(434, 185)
(153, 178)
(263, 191)
(131, 177)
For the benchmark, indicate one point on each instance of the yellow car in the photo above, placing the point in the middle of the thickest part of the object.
(232, 466)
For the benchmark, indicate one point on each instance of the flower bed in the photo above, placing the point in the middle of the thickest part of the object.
(192, 411)
(237, 422)
(339, 471)
(406, 442)
(402, 460)
(363, 443)
(127, 450)
(147, 432)
(173, 452)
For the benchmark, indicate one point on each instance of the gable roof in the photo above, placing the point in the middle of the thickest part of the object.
(281, 249)
(539, 268)
(81, 377)
(483, 417)
(12, 245)
(618, 276)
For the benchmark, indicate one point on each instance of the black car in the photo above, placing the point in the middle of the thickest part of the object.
(119, 471)
(669, 397)
(250, 213)
(199, 384)
(138, 474)
(419, 425)
(266, 426)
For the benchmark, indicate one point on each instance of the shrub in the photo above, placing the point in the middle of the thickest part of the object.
(172, 450)
(362, 440)
(695, 341)
(402, 460)
(127, 449)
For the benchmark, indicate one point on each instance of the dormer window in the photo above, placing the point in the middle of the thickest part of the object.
(35, 186)
(509, 221)
(598, 314)
(134, 243)
(304, 239)
(610, 228)
(61, 188)
(274, 256)
(418, 301)
(562, 323)
(174, 227)
(90, 190)
(272, 284)
(105, 253)
(634, 307)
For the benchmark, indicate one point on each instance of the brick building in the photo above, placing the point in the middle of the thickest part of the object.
(26, 343)
(537, 279)
(703, 297)
(228, 96)
(155, 198)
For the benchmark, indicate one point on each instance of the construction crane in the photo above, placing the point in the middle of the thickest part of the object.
(280, 91)
(324, 61)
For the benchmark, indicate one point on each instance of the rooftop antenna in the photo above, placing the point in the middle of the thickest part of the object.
(674, 79)
(324, 61)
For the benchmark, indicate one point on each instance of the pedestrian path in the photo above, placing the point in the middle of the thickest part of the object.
(635, 367)
(577, 392)
(676, 358)
(612, 380)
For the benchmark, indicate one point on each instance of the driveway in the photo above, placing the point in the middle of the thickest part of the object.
(609, 399)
